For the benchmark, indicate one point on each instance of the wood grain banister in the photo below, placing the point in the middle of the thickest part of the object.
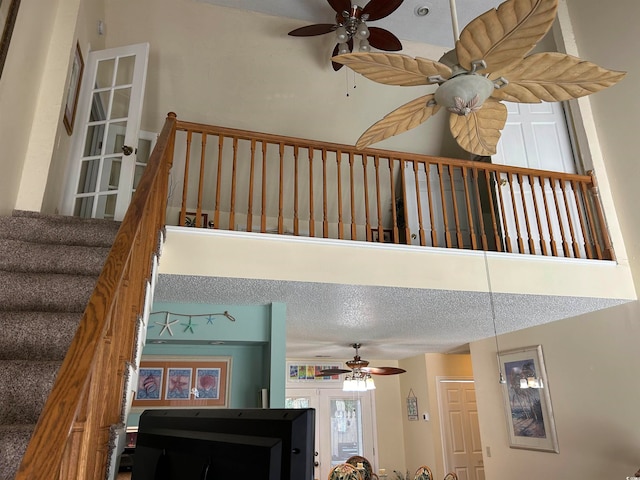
(46, 450)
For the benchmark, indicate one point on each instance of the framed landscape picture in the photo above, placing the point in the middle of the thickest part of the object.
(527, 400)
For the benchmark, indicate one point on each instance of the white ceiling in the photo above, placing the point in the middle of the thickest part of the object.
(434, 29)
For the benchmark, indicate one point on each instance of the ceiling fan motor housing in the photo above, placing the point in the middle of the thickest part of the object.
(464, 93)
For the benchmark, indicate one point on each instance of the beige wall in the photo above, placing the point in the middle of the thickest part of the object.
(590, 360)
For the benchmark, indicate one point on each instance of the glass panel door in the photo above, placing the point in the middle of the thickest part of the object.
(105, 145)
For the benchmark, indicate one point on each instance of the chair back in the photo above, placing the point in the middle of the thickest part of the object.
(423, 473)
(344, 471)
(367, 471)
(451, 476)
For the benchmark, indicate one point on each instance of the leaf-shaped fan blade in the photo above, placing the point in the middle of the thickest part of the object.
(384, 40)
(340, 5)
(394, 68)
(504, 36)
(383, 370)
(553, 77)
(312, 30)
(377, 9)
(332, 371)
(400, 120)
(479, 131)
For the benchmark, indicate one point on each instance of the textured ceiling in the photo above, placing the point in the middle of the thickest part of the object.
(434, 29)
(391, 323)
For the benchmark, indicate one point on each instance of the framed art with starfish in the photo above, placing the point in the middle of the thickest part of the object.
(183, 382)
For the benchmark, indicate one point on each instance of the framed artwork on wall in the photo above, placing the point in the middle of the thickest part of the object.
(77, 68)
(527, 400)
(183, 382)
(303, 372)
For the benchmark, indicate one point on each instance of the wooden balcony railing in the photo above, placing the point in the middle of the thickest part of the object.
(255, 182)
(87, 407)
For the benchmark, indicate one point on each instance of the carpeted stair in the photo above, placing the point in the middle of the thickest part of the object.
(48, 268)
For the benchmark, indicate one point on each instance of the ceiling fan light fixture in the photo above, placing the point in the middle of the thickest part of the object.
(464, 93)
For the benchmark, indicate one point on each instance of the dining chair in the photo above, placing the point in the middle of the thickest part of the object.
(423, 473)
(451, 476)
(344, 471)
(366, 471)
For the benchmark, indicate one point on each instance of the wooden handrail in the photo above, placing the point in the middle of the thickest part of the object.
(72, 434)
(397, 197)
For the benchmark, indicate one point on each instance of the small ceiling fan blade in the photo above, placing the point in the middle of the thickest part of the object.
(479, 131)
(340, 5)
(332, 371)
(383, 370)
(384, 40)
(504, 36)
(312, 30)
(337, 66)
(400, 120)
(377, 9)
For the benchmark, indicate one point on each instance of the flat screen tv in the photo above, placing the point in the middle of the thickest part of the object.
(212, 444)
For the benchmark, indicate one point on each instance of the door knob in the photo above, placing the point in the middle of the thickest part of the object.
(127, 150)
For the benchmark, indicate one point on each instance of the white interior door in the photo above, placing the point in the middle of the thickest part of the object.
(536, 136)
(345, 424)
(104, 164)
(460, 429)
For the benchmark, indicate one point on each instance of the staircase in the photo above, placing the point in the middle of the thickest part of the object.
(48, 268)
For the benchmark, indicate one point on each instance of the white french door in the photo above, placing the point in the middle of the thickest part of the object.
(104, 163)
(345, 424)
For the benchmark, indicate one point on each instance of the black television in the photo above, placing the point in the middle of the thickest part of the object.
(212, 444)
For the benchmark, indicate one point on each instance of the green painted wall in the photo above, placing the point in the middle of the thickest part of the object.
(254, 341)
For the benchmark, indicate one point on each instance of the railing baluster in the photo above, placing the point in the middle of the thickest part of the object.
(216, 211)
(367, 219)
(527, 223)
(263, 212)
(572, 233)
(185, 181)
(394, 214)
(325, 213)
(312, 223)
(552, 237)
(445, 217)
(515, 214)
(407, 233)
(581, 217)
(339, 180)
(532, 183)
(203, 154)
(352, 196)
(434, 230)
(296, 225)
(376, 162)
(251, 180)
(483, 235)
(472, 231)
(500, 182)
(281, 192)
(423, 240)
(592, 224)
(454, 200)
(234, 173)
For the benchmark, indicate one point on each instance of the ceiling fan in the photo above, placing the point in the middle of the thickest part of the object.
(350, 24)
(487, 65)
(359, 375)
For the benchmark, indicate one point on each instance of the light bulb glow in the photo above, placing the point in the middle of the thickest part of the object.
(343, 48)
(364, 46)
(341, 34)
(362, 32)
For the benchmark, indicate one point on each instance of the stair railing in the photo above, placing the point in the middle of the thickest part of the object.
(73, 434)
(256, 182)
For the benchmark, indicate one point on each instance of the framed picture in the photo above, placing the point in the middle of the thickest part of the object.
(527, 400)
(77, 67)
(412, 406)
(190, 219)
(8, 15)
(183, 382)
(301, 372)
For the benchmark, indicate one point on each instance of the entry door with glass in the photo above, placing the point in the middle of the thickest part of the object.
(105, 145)
(345, 424)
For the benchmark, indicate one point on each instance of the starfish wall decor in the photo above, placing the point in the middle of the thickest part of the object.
(488, 65)
(189, 325)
